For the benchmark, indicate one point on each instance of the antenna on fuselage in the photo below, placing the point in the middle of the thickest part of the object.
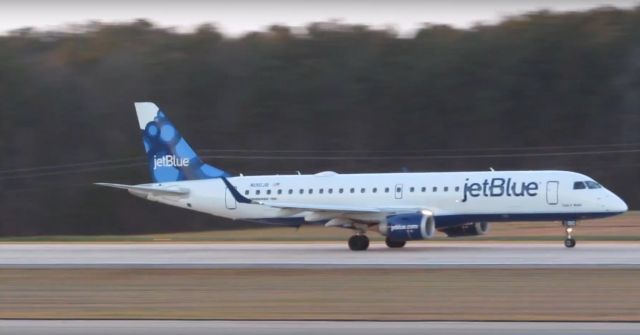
(491, 169)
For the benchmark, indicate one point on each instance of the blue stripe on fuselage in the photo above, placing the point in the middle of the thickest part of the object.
(444, 221)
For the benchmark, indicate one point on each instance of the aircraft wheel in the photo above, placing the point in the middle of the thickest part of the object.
(394, 244)
(570, 243)
(358, 242)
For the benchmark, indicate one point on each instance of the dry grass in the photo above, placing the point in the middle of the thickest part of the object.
(349, 294)
(620, 228)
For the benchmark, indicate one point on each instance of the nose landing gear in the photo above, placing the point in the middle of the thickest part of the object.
(569, 226)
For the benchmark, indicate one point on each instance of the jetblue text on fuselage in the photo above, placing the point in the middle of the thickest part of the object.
(499, 187)
(404, 227)
(170, 161)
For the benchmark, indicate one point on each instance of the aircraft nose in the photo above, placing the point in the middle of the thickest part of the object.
(618, 205)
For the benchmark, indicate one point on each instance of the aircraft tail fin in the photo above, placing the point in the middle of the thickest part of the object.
(170, 157)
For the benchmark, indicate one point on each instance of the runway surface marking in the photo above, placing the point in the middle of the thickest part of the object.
(56, 327)
(252, 255)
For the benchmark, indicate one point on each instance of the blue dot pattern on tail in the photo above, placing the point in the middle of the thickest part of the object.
(170, 156)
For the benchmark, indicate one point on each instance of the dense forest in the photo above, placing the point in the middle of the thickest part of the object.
(539, 91)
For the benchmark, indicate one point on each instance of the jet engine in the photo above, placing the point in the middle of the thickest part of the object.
(406, 227)
(469, 229)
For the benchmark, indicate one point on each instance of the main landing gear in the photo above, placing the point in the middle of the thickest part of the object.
(394, 244)
(569, 226)
(359, 242)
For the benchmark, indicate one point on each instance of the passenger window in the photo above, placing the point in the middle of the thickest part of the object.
(246, 192)
(398, 189)
(457, 188)
(257, 192)
(579, 185)
(268, 192)
(362, 190)
(321, 191)
(446, 189)
(301, 191)
(340, 190)
(310, 191)
(424, 189)
(411, 189)
(352, 190)
(374, 190)
(435, 189)
(386, 190)
(279, 191)
(290, 191)
(330, 190)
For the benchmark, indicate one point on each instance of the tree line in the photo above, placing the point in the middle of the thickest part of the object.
(538, 91)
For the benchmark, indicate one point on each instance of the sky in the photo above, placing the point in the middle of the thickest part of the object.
(241, 16)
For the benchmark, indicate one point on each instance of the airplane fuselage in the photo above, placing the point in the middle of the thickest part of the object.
(453, 198)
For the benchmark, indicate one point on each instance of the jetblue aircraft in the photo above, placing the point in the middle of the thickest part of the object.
(400, 206)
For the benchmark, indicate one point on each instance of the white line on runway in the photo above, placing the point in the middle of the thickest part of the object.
(439, 254)
(58, 327)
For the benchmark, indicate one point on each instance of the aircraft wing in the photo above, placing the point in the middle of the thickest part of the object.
(148, 190)
(322, 208)
(338, 208)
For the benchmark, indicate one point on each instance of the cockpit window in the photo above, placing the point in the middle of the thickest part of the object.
(592, 184)
(579, 185)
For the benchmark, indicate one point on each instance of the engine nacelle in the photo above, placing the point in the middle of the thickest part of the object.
(406, 227)
(470, 229)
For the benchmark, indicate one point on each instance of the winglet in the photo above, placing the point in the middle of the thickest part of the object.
(236, 195)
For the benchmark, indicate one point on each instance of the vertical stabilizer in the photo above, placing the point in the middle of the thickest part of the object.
(170, 157)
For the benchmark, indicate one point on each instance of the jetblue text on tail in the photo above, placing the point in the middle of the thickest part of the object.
(170, 161)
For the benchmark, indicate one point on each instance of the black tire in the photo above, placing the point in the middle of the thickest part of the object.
(570, 243)
(394, 244)
(365, 242)
(358, 242)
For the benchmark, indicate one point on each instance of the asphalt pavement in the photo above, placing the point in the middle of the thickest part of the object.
(310, 255)
(133, 327)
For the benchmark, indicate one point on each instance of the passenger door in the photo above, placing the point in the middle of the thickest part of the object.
(229, 200)
(552, 192)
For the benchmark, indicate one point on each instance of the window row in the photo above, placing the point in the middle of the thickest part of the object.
(350, 190)
(583, 185)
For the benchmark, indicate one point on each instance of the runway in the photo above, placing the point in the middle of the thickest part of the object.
(321, 255)
(51, 327)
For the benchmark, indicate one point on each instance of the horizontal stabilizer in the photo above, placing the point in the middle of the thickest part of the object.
(148, 189)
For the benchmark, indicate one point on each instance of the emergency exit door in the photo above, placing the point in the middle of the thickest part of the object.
(398, 191)
(552, 192)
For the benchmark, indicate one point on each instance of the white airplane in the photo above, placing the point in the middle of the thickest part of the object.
(400, 206)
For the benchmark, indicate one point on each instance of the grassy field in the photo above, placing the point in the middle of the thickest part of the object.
(620, 228)
(344, 294)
